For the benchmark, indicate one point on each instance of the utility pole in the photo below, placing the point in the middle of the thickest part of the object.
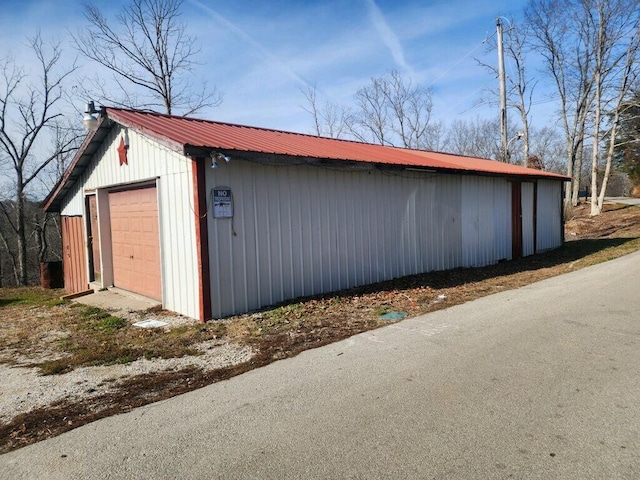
(503, 95)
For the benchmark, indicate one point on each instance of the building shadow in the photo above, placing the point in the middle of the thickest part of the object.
(569, 252)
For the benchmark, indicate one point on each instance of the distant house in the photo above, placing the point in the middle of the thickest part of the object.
(215, 219)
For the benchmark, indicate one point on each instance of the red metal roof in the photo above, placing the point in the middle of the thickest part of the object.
(229, 137)
(187, 134)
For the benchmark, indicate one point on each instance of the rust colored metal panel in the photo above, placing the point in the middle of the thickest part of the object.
(74, 261)
(516, 220)
(202, 238)
(136, 242)
(182, 131)
(195, 137)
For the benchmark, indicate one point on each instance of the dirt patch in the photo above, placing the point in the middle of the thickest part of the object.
(40, 335)
(618, 221)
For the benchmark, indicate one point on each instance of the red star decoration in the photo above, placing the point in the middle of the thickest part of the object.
(122, 152)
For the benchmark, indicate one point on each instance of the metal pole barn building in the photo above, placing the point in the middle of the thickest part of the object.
(215, 219)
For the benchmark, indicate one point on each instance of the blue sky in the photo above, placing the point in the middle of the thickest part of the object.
(260, 54)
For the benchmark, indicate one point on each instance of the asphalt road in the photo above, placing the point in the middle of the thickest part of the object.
(625, 200)
(541, 382)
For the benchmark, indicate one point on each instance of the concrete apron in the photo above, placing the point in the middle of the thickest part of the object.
(116, 299)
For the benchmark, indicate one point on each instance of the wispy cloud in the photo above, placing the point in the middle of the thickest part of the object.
(387, 35)
(268, 55)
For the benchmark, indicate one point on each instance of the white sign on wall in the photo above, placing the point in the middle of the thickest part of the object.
(222, 202)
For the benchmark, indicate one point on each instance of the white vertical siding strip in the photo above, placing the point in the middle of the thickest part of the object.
(298, 234)
(277, 261)
(292, 229)
(502, 219)
(329, 235)
(435, 222)
(73, 203)
(228, 231)
(527, 219)
(178, 242)
(374, 222)
(295, 235)
(355, 241)
(259, 238)
(348, 203)
(549, 215)
(486, 224)
(369, 258)
(448, 200)
(471, 201)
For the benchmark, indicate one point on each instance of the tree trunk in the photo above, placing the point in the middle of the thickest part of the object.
(596, 209)
(568, 186)
(577, 173)
(41, 241)
(23, 276)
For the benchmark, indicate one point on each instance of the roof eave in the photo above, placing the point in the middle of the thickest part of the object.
(77, 166)
(249, 155)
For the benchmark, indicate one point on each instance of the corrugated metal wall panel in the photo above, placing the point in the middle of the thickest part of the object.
(180, 275)
(73, 204)
(74, 254)
(486, 222)
(475, 200)
(502, 219)
(302, 230)
(148, 160)
(527, 219)
(444, 223)
(549, 218)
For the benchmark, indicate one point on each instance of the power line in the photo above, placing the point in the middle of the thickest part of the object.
(458, 62)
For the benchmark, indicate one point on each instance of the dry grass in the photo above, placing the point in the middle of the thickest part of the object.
(41, 331)
(56, 337)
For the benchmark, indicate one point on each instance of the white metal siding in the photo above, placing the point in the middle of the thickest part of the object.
(148, 160)
(302, 230)
(502, 218)
(527, 219)
(72, 204)
(549, 216)
(486, 220)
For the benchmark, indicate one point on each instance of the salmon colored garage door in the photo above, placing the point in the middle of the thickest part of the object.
(135, 240)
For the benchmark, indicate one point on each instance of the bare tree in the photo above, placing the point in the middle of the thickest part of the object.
(329, 120)
(558, 32)
(392, 111)
(476, 138)
(388, 111)
(150, 56)
(547, 145)
(434, 139)
(371, 121)
(29, 115)
(411, 107)
(617, 44)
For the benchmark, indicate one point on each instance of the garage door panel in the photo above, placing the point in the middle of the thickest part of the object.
(135, 237)
(147, 225)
